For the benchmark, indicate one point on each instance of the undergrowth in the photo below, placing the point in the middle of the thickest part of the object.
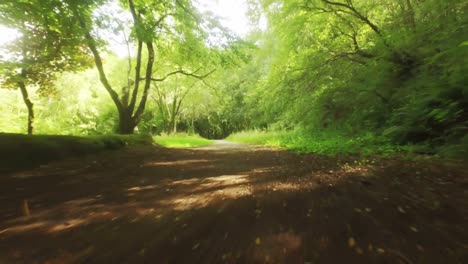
(327, 143)
(182, 140)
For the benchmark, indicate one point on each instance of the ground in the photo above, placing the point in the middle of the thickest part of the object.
(230, 203)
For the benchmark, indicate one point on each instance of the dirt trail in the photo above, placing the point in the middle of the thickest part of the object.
(230, 203)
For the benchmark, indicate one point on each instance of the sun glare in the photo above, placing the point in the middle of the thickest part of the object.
(232, 12)
(7, 34)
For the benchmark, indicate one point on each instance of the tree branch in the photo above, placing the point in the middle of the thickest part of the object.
(148, 74)
(186, 10)
(352, 11)
(91, 42)
(136, 86)
(191, 74)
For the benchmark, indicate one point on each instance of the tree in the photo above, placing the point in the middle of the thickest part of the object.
(46, 46)
(354, 66)
(169, 98)
(156, 25)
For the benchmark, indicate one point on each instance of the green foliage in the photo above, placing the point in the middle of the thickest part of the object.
(393, 69)
(327, 143)
(182, 140)
(46, 43)
(343, 76)
(78, 107)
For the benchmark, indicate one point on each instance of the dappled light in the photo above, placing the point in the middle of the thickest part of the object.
(263, 205)
(70, 223)
(284, 247)
(203, 192)
(175, 163)
(233, 131)
(143, 188)
(23, 228)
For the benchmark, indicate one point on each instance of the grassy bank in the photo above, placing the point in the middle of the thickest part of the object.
(326, 143)
(22, 151)
(334, 143)
(182, 140)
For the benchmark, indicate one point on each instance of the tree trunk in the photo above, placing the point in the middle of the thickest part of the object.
(126, 123)
(29, 105)
(170, 127)
(174, 130)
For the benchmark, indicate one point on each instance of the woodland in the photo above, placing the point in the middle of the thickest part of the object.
(374, 76)
(154, 131)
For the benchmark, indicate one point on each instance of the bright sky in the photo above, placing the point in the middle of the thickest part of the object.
(232, 12)
(7, 34)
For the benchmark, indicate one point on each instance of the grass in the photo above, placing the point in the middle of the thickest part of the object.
(182, 140)
(18, 151)
(322, 143)
(22, 151)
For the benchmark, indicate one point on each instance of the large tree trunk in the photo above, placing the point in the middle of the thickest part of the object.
(29, 105)
(126, 123)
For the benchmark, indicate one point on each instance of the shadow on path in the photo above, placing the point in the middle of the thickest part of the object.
(231, 203)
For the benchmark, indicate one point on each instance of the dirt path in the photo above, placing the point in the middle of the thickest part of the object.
(230, 203)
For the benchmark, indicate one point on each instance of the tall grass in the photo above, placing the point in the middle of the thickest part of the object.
(322, 143)
(182, 140)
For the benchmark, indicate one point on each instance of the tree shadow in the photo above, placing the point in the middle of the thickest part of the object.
(259, 206)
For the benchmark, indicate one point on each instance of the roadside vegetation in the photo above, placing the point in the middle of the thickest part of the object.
(23, 151)
(182, 140)
(331, 144)
(346, 76)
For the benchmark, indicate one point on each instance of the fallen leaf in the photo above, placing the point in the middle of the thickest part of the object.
(414, 229)
(258, 241)
(359, 251)
(419, 247)
(380, 250)
(401, 210)
(351, 242)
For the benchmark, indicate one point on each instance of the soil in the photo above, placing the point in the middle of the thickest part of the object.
(230, 203)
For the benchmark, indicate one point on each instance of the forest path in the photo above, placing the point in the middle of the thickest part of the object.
(231, 203)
